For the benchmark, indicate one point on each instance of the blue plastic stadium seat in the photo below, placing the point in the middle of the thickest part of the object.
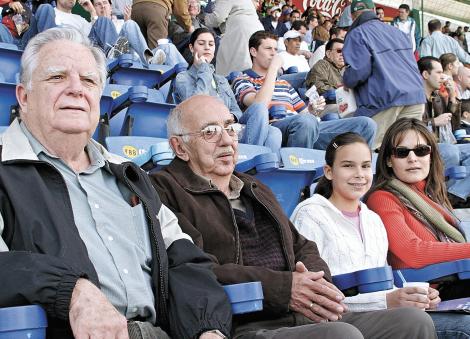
(126, 71)
(159, 154)
(7, 101)
(146, 119)
(246, 153)
(131, 147)
(445, 271)
(23, 322)
(290, 178)
(245, 297)
(10, 59)
(365, 281)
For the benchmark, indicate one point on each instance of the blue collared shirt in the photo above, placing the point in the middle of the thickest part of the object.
(114, 232)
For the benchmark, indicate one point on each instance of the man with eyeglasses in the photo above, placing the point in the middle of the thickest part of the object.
(237, 221)
(82, 231)
(326, 73)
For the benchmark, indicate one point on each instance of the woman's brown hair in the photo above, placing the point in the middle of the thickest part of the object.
(435, 187)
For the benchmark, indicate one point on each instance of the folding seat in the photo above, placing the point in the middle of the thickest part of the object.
(126, 71)
(8, 103)
(10, 60)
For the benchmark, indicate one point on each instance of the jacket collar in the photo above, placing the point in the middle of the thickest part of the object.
(190, 181)
(16, 146)
(363, 18)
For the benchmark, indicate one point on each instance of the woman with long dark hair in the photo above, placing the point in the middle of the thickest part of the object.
(410, 196)
(200, 78)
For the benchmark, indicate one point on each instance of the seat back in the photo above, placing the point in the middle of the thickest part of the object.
(8, 102)
(131, 147)
(289, 179)
(10, 60)
(23, 322)
(146, 119)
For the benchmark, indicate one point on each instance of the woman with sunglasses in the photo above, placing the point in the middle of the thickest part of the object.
(200, 78)
(410, 196)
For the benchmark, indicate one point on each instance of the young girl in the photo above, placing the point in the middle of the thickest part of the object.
(349, 236)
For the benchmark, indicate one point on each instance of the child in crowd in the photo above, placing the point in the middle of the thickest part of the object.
(351, 237)
(465, 117)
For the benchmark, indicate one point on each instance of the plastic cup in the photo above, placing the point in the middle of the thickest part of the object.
(424, 286)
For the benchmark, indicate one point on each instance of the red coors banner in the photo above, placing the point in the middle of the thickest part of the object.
(331, 7)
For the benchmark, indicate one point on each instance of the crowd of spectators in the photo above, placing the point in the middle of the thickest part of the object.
(250, 65)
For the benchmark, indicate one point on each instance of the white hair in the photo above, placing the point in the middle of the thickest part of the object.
(30, 57)
(174, 124)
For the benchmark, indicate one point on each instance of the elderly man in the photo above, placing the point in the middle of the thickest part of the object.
(83, 233)
(326, 73)
(462, 80)
(237, 220)
(292, 55)
(381, 68)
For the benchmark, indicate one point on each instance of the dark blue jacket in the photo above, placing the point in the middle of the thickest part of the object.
(381, 67)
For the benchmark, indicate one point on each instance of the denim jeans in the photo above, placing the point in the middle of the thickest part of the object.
(304, 130)
(296, 80)
(457, 155)
(300, 130)
(5, 35)
(364, 126)
(103, 33)
(451, 326)
(257, 128)
(173, 56)
(137, 42)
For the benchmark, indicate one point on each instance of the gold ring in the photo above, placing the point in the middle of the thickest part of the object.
(311, 305)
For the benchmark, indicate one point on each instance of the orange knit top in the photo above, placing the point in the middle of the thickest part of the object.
(411, 244)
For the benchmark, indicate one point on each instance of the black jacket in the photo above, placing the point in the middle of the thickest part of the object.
(47, 255)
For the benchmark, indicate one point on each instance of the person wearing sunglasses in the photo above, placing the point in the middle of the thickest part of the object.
(326, 73)
(410, 196)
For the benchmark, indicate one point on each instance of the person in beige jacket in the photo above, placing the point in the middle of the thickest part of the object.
(152, 18)
(241, 21)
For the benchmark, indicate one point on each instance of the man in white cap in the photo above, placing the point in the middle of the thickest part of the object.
(291, 56)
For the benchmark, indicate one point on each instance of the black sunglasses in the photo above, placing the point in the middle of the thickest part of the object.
(419, 151)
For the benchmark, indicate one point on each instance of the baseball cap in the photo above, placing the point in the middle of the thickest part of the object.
(292, 34)
(357, 5)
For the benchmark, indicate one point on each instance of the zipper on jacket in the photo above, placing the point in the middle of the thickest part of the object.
(162, 300)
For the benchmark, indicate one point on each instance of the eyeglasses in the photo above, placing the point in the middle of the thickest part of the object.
(419, 151)
(213, 133)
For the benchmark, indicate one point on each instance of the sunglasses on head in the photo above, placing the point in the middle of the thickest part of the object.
(419, 151)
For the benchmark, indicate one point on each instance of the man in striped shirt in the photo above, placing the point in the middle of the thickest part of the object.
(298, 123)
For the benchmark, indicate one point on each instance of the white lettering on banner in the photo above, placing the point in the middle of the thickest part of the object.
(332, 7)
